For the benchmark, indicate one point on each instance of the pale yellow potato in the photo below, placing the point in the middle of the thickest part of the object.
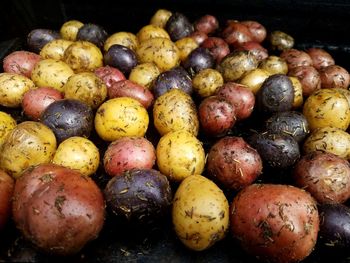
(254, 79)
(298, 92)
(55, 49)
(144, 74)
(7, 124)
(160, 18)
(151, 31)
(186, 45)
(126, 39)
(274, 65)
(69, 29)
(207, 81)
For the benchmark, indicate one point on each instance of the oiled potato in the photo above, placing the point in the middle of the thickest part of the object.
(55, 49)
(7, 124)
(12, 89)
(160, 17)
(151, 31)
(180, 154)
(200, 213)
(78, 153)
(254, 79)
(274, 65)
(144, 74)
(186, 45)
(298, 92)
(51, 73)
(207, 81)
(126, 39)
(69, 29)
(175, 110)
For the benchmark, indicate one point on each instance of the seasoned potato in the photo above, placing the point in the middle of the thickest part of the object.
(175, 110)
(92, 33)
(274, 65)
(126, 39)
(51, 73)
(207, 81)
(179, 155)
(254, 79)
(309, 78)
(296, 58)
(12, 89)
(151, 31)
(20, 62)
(255, 49)
(298, 92)
(280, 40)
(7, 124)
(320, 58)
(144, 74)
(257, 30)
(217, 47)
(69, 29)
(55, 49)
(120, 57)
(178, 26)
(200, 213)
(160, 17)
(186, 45)
(334, 76)
(236, 33)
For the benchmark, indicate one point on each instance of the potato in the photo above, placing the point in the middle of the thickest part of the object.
(92, 33)
(7, 124)
(274, 65)
(320, 58)
(217, 47)
(144, 74)
(126, 39)
(120, 57)
(254, 79)
(178, 26)
(334, 76)
(327, 108)
(30, 143)
(51, 73)
(200, 213)
(78, 153)
(6, 191)
(151, 31)
(199, 37)
(207, 81)
(160, 18)
(207, 24)
(121, 117)
(296, 58)
(83, 56)
(185, 45)
(328, 139)
(55, 49)
(175, 110)
(86, 87)
(254, 48)
(161, 51)
(256, 29)
(109, 75)
(309, 78)
(236, 34)
(179, 155)
(199, 59)
(69, 29)
(37, 38)
(21, 62)
(276, 223)
(298, 93)
(280, 40)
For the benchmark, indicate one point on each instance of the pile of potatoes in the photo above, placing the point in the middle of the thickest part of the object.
(200, 107)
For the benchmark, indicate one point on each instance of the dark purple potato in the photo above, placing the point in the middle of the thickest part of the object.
(139, 195)
(276, 150)
(200, 58)
(275, 95)
(176, 78)
(68, 118)
(178, 26)
(38, 38)
(289, 122)
(121, 57)
(92, 33)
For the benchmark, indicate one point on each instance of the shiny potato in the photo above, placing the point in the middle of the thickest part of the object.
(217, 47)
(144, 74)
(206, 82)
(69, 29)
(55, 49)
(257, 30)
(254, 79)
(20, 62)
(126, 39)
(255, 49)
(151, 31)
(320, 58)
(199, 37)
(236, 33)
(207, 24)
(160, 17)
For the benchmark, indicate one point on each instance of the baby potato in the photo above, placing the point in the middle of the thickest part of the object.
(160, 17)
(83, 56)
(69, 29)
(121, 117)
(200, 213)
(86, 87)
(78, 153)
(12, 89)
(186, 45)
(161, 51)
(254, 79)
(51, 73)
(151, 31)
(7, 124)
(126, 39)
(207, 81)
(298, 92)
(274, 65)
(55, 49)
(175, 110)
(280, 40)
(180, 154)
(144, 74)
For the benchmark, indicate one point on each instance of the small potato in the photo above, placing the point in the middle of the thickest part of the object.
(217, 47)
(120, 57)
(334, 76)
(7, 124)
(160, 18)
(296, 58)
(207, 24)
(199, 59)
(179, 155)
(92, 33)
(86, 87)
(39, 37)
(207, 81)
(256, 29)
(121, 117)
(51, 73)
(280, 41)
(21, 62)
(298, 92)
(6, 191)
(254, 79)
(55, 49)
(144, 74)
(200, 213)
(274, 65)
(126, 39)
(83, 56)
(12, 89)
(185, 45)
(320, 58)
(78, 153)
(199, 37)
(309, 78)
(69, 29)
(151, 31)
(255, 49)
(109, 75)
(178, 26)
(236, 34)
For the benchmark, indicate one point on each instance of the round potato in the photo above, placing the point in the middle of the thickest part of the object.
(254, 79)
(274, 65)
(280, 40)
(55, 49)
(20, 62)
(126, 39)
(160, 17)
(151, 31)
(51, 73)
(69, 29)
(298, 93)
(296, 58)
(121, 117)
(207, 81)
(334, 76)
(186, 45)
(180, 154)
(144, 74)
(200, 213)
(309, 78)
(109, 75)
(206, 24)
(7, 124)
(217, 47)
(320, 58)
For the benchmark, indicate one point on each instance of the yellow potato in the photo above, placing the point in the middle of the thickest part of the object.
(7, 124)
(186, 45)
(200, 213)
(51, 73)
(121, 117)
(78, 153)
(254, 79)
(207, 81)
(55, 49)
(12, 89)
(144, 74)
(160, 17)
(274, 65)
(69, 29)
(151, 31)
(126, 39)
(180, 154)
(298, 93)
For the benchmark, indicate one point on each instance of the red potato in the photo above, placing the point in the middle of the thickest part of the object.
(334, 76)
(36, 101)
(309, 78)
(257, 30)
(255, 49)
(109, 75)
(296, 58)
(276, 223)
(129, 153)
(6, 190)
(234, 163)
(127, 88)
(21, 62)
(206, 24)
(320, 58)
(217, 47)
(236, 34)
(199, 37)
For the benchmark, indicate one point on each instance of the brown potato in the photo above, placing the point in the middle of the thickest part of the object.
(296, 58)
(334, 76)
(6, 191)
(320, 58)
(309, 78)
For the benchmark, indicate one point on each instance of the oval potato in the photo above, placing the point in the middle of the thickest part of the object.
(69, 29)
(144, 74)
(55, 49)
(126, 39)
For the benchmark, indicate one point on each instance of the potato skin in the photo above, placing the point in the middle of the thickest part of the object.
(236, 34)
(280, 40)
(21, 62)
(274, 65)
(120, 57)
(257, 30)
(296, 58)
(206, 24)
(334, 76)
(178, 26)
(7, 124)
(6, 191)
(92, 33)
(320, 58)
(126, 39)
(277, 223)
(255, 49)
(55, 49)
(298, 93)
(254, 79)
(37, 38)
(186, 45)
(217, 47)
(207, 81)
(144, 74)
(200, 213)
(309, 78)
(151, 31)
(109, 75)
(160, 17)
(69, 29)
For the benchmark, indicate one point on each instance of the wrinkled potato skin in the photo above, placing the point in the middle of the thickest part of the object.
(55, 49)
(144, 74)
(274, 65)
(160, 18)
(200, 213)
(126, 39)
(69, 29)
(207, 81)
(6, 191)
(7, 124)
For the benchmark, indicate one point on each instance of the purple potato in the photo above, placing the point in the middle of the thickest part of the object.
(92, 33)
(38, 38)
(200, 58)
(121, 57)
(178, 26)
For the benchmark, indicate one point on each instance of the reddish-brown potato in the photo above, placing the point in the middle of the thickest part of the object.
(277, 223)
(240, 97)
(234, 163)
(6, 190)
(199, 37)
(129, 153)
(35, 101)
(309, 78)
(257, 30)
(334, 76)
(109, 75)
(325, 175)
(21, 62)
(255, 49)
(236, 34)
(296, 58)
(206, 24)
(127, 88)
(320, 58)
(217, 47)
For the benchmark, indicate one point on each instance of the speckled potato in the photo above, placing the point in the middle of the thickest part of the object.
(254, 79)
(78, 153)
(126, 39)
(186, 45)
(121, 117)
(161, 51)
(51, 73)
(298, 92)
(207, 81)
(69, 29)
(12, 89)
(151, 31)
(144, 74)
(30, 143)
(274, 65)
(179, 155)
(83, 56)
(200, 213)
(175, 110)
(86, 87)
(160, 17)
(7, 124)
(55, 49)
(327, 107)
(328, 139)
(280, 40)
